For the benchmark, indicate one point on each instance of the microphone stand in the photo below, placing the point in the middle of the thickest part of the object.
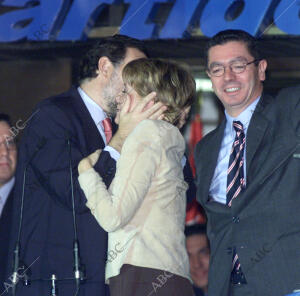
(16, 258)
(78, 272)
(78, 267)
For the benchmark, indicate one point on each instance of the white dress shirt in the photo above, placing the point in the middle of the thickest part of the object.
(218, 185)
(4, 193)
(98, 115)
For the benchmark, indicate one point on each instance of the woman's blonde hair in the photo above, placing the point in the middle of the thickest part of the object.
(174, 85)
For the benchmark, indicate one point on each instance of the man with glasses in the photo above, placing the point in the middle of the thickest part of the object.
(248, 172)
(8, 160)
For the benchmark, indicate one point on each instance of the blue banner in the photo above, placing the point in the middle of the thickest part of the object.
(66, 20)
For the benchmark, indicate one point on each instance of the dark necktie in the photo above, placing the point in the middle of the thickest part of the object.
(235, 172)
(235, 176)
(107, 129)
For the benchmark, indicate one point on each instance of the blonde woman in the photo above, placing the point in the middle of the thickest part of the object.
(144, 208)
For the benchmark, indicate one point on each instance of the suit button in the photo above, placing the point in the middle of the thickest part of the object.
(235, 219)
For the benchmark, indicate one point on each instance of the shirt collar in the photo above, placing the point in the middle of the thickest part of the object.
(244, 117)
(94, 109)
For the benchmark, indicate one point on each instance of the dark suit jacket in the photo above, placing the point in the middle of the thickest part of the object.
(5, 226)
(263, 222)
(47, 229)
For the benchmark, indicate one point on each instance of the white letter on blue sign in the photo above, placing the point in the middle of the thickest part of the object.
(81, 19)
(213, 18)
(134, 23)
(179, 19)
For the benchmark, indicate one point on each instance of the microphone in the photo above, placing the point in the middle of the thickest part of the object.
(53, 285)
(78, 268)
(16, 259)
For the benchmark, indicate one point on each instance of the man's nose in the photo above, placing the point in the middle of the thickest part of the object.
(3, 148)
(196, 262)
(228, 73)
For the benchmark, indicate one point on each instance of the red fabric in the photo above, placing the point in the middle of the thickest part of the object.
(194, 214)
(195, 137)
(107, 129)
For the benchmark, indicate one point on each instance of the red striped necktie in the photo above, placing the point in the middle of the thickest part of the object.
(107, 129)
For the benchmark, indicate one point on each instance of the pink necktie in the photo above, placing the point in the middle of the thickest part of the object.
(107, 129)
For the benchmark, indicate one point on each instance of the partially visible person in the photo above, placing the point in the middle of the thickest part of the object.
(64, 129)
(248, 172)
(8, 161)
(144, 208)
(197, 246)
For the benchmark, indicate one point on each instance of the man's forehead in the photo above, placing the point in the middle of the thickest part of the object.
(197, 239)
(228, 51)
(4, 129)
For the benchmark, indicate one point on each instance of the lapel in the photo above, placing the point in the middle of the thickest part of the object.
(221, 213)
(210, 161)
(91, 133)
(257, 129)
(269, 144)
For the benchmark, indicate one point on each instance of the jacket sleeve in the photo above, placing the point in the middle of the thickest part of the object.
(136, 167)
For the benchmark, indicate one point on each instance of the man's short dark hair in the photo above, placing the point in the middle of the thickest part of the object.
(195, 229)
(113, 47)
(6, 118)
(225, 36)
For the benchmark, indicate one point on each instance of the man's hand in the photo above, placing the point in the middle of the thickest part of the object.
(88, 162)
(129, 119)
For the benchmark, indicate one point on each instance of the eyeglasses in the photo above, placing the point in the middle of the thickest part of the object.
(236, 67)
(9, 144)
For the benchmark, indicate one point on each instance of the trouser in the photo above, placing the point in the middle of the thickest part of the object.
(142, 281)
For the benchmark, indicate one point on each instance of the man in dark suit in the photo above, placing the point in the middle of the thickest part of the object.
(63, 130)
(8, 161)
(248, 175)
